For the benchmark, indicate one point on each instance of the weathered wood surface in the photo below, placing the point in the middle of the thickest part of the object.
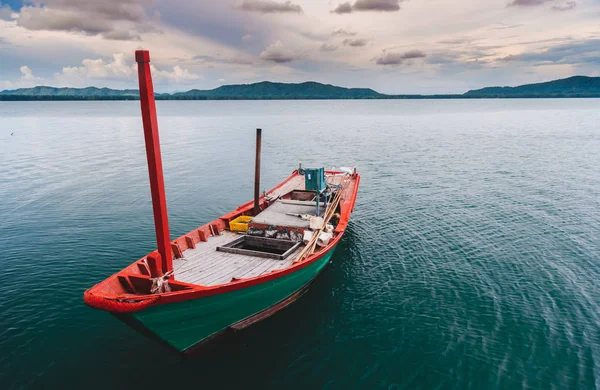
(278, 214)
(296, 183)
(208, 267)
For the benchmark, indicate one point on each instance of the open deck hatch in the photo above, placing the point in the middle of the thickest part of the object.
(270, 248)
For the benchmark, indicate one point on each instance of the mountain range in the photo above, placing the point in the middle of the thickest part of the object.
(576, 86)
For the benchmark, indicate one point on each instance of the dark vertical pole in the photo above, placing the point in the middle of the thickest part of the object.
(157, 183)
(318, 193)
(257, 172)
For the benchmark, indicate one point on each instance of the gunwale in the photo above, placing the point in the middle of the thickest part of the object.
(102, 295)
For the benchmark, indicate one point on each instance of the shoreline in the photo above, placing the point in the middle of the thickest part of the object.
(26, 98)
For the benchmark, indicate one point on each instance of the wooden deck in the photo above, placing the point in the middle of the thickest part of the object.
(296, 183)
(206, 266)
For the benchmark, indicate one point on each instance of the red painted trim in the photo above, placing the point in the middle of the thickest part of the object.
(123, 305)
(155, 170)
(196, 291)
(189, 240)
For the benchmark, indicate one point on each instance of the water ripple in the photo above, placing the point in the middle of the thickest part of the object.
(472, 259)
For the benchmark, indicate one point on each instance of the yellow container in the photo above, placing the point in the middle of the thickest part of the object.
(240, 224)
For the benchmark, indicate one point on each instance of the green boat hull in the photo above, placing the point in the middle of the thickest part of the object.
(184, 325)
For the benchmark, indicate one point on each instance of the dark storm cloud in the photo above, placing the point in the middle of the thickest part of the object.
(392, 58)
(359, 42)
(270, 6)
(368, 5)
(112, 19)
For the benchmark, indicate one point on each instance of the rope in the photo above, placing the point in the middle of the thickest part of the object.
(161, 284)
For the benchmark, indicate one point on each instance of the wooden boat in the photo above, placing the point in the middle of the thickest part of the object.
(214, 279)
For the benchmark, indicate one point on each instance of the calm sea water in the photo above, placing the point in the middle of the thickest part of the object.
(472, 259)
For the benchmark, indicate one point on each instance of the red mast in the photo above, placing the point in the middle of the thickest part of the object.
(157, 183)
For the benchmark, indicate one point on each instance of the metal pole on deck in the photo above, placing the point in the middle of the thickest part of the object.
(157, 183)
(257, 172)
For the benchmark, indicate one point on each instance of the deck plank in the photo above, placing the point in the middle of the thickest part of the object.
(206, 266)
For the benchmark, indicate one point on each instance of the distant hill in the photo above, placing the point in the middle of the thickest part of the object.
(80, 92)
(577, 86)
(269, 90)
(570, 87)
(262, 90)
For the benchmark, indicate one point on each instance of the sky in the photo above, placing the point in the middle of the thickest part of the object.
(392, 46)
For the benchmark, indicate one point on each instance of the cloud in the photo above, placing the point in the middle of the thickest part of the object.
(112, 19)
(510, 58)
(6, 13)
(447, 58)
(27, 74)
(247, 37)
(587, 51)
(328, 47)
(355, 42)
(504, 26)
(34, 18)
(223, 60)
(559, 5)
(376, 5)
(368, 5)
(343, 33)
(98, 68)
(119, 68)
(344, 8)
(527, 3)
(26, 80)
(456, 41)
(565, 7)
(278, 53)
(121, 35)
(392, 58)
(269, 6)
(177, 75)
